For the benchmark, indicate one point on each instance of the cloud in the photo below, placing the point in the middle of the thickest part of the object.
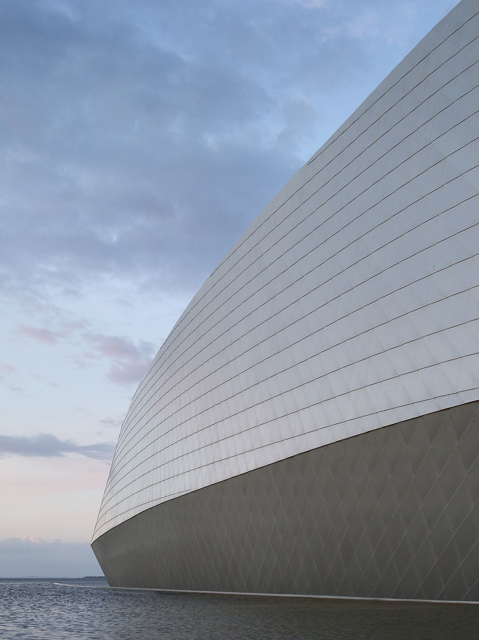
(110, 422)
(129, 362)
(151, 137)
(148, 150)
(40, 378)
(45, 445)
(5, 370)
(365, 25)
(45, 336)
(308, 4)
(31, 556)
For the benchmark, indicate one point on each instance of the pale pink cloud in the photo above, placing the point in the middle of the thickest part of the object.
(45, 336)
(35, 376)
(15, 389)
(5, 370)
(128, 361)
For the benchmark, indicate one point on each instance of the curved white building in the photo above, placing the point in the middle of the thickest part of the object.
(311, 423)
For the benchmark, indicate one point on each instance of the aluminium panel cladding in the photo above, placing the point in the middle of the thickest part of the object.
(351, 303)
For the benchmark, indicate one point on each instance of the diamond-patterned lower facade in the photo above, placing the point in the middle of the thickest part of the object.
(392, 513)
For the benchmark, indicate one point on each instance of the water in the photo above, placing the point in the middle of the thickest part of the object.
(38, 610)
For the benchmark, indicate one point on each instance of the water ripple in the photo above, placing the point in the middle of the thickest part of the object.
(42, 610)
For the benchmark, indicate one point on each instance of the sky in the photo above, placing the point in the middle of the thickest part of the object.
(139, 140)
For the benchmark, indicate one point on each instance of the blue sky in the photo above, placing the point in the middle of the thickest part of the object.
(139, 140)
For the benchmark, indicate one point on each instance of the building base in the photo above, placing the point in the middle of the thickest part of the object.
(392, 513)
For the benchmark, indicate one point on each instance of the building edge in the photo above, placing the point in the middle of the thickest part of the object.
(452, 45)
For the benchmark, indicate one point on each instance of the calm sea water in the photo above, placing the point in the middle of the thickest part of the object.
(31, 610)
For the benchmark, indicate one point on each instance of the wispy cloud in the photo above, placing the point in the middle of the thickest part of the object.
(40, 378)
(5, 370)
(45, 445)
(365, 25)
(128, 361)
(46, 336)
(110, 422)
(307, 4)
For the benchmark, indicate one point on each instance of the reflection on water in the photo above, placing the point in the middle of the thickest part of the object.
(32, 610)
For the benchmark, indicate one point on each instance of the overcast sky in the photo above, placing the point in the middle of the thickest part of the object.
(139, 140)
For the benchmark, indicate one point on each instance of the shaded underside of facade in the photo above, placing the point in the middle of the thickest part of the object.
(392, 513)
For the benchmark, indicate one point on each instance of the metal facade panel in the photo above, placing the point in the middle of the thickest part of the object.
(351, 303)
(388, 514)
